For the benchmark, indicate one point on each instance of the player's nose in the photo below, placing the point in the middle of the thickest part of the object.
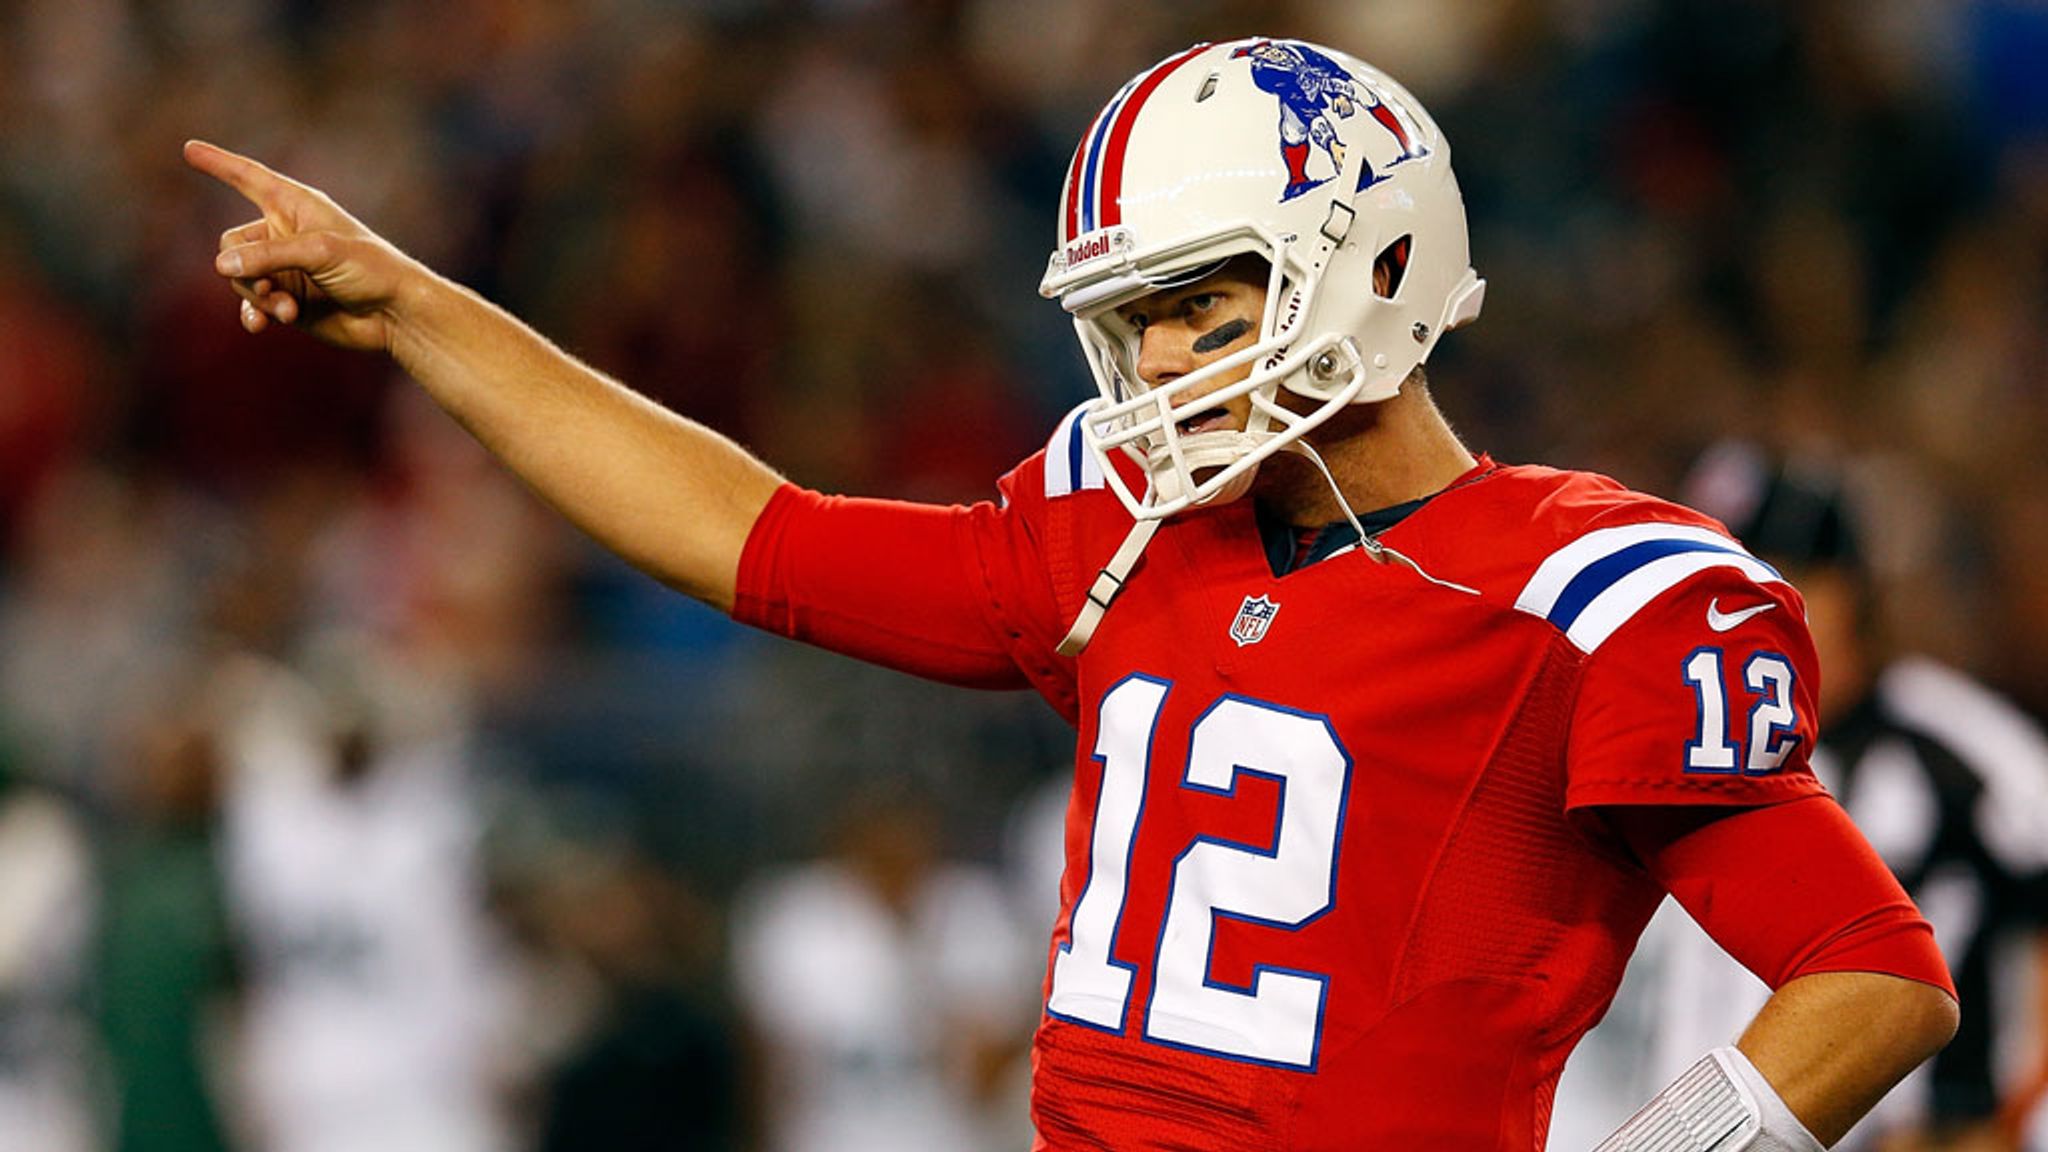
(1163, 354)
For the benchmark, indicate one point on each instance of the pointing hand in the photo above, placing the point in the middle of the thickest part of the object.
(305, 262)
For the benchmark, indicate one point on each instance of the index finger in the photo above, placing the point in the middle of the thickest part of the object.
(261, 186)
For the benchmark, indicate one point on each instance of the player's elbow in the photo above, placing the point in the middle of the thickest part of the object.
(1925, 1017)
(1911, 1019)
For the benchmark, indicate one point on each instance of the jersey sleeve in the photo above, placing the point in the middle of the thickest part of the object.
(1790, 890)
(953, 593)
(1699, 678)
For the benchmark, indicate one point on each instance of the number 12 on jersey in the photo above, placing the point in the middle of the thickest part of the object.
(1286, 883)
(1773, 719)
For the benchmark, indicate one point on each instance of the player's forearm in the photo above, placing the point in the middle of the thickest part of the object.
(671, 496)
(1833, 1043)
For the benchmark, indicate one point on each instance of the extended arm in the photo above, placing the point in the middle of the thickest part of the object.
(673, 497)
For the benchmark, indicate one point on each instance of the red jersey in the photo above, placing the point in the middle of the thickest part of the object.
(1335, 873)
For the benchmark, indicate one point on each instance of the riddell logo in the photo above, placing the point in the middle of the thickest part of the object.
(1291, 314)
(1088, 248)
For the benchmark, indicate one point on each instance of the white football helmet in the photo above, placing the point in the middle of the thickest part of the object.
(1305, 156)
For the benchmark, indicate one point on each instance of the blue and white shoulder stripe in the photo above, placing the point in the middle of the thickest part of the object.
(1592, 586)
(1069, 466)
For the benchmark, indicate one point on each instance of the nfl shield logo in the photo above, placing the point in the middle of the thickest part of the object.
(1253, 618)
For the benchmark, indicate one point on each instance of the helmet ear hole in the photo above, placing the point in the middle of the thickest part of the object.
(1389, 267)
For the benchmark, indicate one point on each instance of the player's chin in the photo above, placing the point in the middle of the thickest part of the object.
(1285, 476)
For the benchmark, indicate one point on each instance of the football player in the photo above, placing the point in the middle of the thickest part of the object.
(1386, 750)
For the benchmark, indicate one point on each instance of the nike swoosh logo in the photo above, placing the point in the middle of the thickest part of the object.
(1721, 621)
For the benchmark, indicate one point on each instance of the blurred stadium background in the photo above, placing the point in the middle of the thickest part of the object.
(349, 800)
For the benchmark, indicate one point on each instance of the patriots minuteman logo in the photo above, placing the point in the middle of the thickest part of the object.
(1254, 616)
(1314, 93)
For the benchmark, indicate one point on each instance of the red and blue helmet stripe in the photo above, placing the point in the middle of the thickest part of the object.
(1095, 178)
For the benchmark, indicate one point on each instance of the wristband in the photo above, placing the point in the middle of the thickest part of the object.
(1721, 1104)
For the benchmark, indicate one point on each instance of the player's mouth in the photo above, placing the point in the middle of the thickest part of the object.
(1212, 420)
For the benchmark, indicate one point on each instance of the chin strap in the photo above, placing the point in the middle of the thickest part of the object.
(1108, 583)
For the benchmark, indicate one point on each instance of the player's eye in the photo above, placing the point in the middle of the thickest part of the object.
(1200, 302)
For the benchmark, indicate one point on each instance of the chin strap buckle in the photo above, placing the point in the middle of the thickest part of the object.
(1109, 583)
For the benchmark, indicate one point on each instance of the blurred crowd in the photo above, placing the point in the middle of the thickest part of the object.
(348, 800)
